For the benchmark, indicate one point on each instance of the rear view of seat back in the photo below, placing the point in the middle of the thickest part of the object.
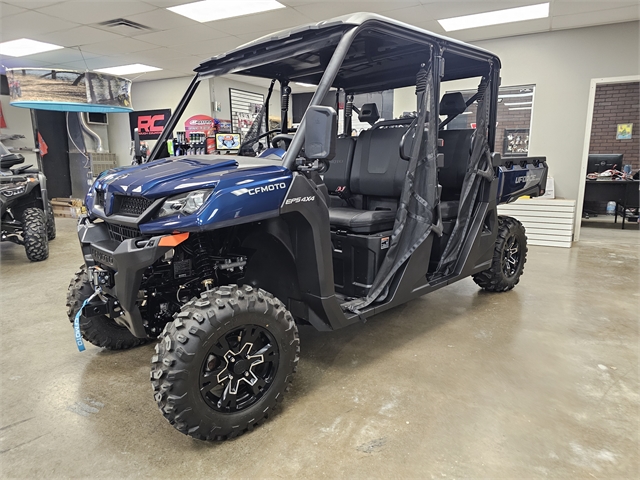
(377, 167)
(456, 150)
(336, 178)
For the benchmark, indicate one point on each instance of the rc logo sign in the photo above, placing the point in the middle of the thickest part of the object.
(149, 123)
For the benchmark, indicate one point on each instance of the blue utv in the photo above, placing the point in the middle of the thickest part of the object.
(221, 257)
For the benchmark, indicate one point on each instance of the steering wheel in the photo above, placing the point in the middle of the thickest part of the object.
(287, 138)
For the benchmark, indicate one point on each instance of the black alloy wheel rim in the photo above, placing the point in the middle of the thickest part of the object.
(511, 257)
(239, 369)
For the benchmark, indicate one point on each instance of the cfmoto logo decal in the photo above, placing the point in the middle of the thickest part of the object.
(526, 178)
(262, 189)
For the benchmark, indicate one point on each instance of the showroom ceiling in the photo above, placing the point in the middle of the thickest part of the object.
(152, 35)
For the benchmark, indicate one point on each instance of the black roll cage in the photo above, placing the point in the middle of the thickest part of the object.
(286, 44)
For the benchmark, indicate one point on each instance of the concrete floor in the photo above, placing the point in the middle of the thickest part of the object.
(541, 381)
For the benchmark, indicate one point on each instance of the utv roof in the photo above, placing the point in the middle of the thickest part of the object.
(384, 55)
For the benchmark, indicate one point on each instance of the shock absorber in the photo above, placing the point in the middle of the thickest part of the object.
(285, 91)
(348, 113)
(203, 266)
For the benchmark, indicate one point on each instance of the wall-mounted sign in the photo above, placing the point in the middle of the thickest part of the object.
(199, 124)
(68, 90)
(149, 123)
(624, 131)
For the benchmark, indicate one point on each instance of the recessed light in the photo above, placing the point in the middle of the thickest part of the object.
(24, 46)
(521, 108)
(497, 17)
(128, 69)
(210, 10)
(513, 104)
(310, 85)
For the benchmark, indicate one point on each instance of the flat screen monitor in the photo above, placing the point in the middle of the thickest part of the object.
(228, 141)
(599, 162)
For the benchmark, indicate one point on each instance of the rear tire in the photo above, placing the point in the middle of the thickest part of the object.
(51, 222)
(34, 233)
(225, 362)
(101, 331)
(509, 257)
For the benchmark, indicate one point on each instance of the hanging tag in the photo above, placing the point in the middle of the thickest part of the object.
(76, 322)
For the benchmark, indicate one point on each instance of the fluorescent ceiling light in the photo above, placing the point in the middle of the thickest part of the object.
(521, 108)
(128, 69)
(513, 104)
(25, 46)
(310, 85)
(496, 17)
(210, 10)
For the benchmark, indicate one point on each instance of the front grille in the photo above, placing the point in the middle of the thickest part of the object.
(121, 233)
(131, 206)
(100, 198)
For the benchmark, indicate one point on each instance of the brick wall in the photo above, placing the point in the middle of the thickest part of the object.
(614, 104)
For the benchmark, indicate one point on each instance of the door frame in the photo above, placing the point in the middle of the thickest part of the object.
(587, 141)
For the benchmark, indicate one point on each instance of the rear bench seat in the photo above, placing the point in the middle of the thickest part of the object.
(377, 173)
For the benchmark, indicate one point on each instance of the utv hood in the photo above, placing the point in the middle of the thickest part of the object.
(242, 187)
(166, 177)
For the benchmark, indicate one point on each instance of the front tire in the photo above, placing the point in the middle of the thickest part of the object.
(509, 257)
(34, 233)
(51, 222)
(101, 330)
(225, 362)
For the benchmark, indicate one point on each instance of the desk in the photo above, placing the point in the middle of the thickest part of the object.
(625, 193)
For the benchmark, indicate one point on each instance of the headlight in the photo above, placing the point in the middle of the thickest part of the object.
(185, 203)
(10, 192)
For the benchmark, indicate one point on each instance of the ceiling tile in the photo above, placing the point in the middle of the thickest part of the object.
(6, 9)
(62, 56)
(261, 22)
(28, 23)
(162, 54)
(81, 35)
(162, 19)
(22, 62)
(573, 7)
(213, 47)
(92, 63)
(158, 75)
(617, 15)
(167, 3)
(196, 33)
(32, 4)
(318, 11)
(95, 11)
(118, 46)
(506, 30)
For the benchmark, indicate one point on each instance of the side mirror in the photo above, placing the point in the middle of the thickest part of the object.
(321, 132)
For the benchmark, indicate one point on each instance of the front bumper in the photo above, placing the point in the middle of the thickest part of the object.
(127, 260)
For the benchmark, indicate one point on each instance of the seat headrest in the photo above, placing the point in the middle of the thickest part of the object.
(369, 113)
(452, 104)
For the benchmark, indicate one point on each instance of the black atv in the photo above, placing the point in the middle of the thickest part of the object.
(221, 257)
(26, 212)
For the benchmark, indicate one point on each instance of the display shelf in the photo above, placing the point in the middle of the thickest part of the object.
(548, 222)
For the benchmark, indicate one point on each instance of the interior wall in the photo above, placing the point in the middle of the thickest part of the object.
(167, 94)
(561, 65)
(220, 93)
(18, 122)
(614, 104)
(151, 95)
